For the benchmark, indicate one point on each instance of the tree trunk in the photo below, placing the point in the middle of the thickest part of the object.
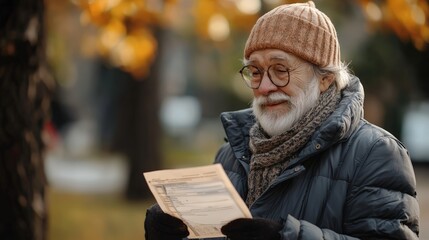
(138, 130)
(25, 87)
(140, 134)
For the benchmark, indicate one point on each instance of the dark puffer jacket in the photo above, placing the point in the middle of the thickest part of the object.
(351, 180)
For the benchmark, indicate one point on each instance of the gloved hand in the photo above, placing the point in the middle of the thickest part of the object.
(162, 226)
(255, 229)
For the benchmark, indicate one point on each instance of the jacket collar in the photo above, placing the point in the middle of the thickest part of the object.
(337, 127)
(342, 122)
(237, 125)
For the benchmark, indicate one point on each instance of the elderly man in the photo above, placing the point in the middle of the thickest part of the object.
(303, 158)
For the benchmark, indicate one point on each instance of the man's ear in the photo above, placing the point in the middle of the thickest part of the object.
(326, 81)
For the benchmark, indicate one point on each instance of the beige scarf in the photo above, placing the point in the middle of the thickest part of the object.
(270, 156)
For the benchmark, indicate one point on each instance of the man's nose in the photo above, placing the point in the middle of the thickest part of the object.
(267, 86)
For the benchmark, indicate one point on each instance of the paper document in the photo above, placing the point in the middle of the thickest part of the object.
(203, 197)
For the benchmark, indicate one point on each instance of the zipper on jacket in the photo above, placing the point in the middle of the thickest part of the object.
(307, 191)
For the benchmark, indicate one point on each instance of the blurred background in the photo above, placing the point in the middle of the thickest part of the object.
(138, 85)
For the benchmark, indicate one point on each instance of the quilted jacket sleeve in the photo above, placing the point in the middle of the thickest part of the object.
(381, 202)
(299, 229)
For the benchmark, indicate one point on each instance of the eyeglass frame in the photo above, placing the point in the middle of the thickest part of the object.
(262, 72)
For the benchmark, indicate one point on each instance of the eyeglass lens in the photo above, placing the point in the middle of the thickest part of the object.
(277, 73)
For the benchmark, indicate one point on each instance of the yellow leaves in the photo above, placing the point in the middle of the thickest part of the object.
(124, 26)
(135, 52)
(124, 31)
(111, 34)
(218, 27)
(202, 12)
(214, 19)
(408, 19)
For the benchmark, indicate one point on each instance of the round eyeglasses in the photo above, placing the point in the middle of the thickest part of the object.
(277, 73)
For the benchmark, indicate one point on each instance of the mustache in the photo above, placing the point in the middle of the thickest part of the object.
(272, 98)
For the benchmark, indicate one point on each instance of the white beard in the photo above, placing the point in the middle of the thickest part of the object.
(279, 121)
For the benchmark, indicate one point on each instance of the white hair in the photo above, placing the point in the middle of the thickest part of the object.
(341, 74)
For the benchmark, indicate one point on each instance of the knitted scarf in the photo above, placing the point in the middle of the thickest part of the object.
(270, 156)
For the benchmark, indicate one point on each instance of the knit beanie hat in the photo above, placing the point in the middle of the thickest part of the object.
(300, 29)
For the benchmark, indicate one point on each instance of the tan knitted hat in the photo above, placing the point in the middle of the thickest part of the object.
(300, 29)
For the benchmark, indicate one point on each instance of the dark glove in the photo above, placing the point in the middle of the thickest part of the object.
(255, 229)
(162, 226)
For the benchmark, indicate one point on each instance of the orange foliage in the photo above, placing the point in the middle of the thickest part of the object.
(125, 35)
(408, 19)
(204, 10)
